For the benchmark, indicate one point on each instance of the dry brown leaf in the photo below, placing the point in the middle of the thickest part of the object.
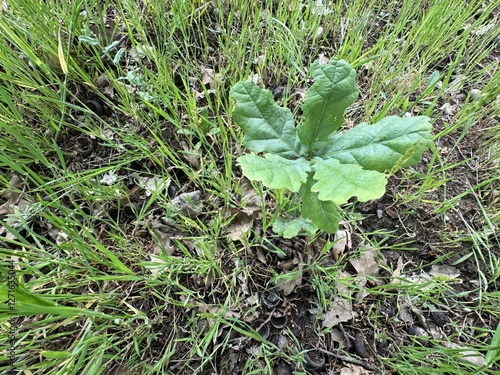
(250, 199)
(191, 155)
(244, 216)
(468, 354)
(367, 263)
(240, 225)
(444, 270)
(140, 52)
(352, 369)
(340, 311)
(399, 267)
(160, 264)
(187, 204)
(344, 287)
(336, 335)
(340, 239)
(15, 204)
(289, 286)
(261, 256)
(448, 109)
(323, 59)
(153, 185)
(163, 234)
(210, 78)
(391, 212)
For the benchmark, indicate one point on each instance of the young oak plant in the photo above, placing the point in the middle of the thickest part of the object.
(325, 167)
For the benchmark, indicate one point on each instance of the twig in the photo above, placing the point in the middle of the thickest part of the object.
(355, 361)
(114, 47)
(269, 317)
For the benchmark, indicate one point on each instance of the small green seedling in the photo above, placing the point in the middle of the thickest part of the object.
(325, 167)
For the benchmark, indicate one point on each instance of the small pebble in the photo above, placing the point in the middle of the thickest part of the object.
(474, 93)
(102, 81)
(421, 333)
(447, 108)
(49, 133)
(319, 32)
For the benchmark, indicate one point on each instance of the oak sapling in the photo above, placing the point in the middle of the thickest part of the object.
(324, 166)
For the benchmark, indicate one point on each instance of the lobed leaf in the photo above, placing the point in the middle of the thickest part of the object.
(324, 214)
(274, 171)
(334, 89)
(379, 147)
(324, 167)
(267, 127)
(339, 182)
(289, 228)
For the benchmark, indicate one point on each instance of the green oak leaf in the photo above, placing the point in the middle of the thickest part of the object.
(324, 214)
(289, 228)
(334, 89)
(275, 171)
(379, 147)
(326, 168)
(338, 182)
(267, 126)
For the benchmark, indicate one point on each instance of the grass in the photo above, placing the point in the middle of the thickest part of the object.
(106, 289)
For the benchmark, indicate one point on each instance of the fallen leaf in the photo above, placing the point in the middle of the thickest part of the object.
(153, 185)
(448, 109)
(15, 202)
(468, 354)
(444, 270)
(261, 256)
(319, 33)
(59, 235)
(340, 312)
(482, 30)
(17, 209)
(289, 286)
(391, 212)
(250, 200)
(210, 78)
(240, 224)
(243, 217)
(336, 335)
(404, 311)
(344, 283)
(140, 52)
(163, 234)
(399, 267)
(158, 265)
(191, 155)
(340, 239)
(259, 59)
(255, 78)
(354, 370)
(323, 59)
(367, 264)
(187, 204)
